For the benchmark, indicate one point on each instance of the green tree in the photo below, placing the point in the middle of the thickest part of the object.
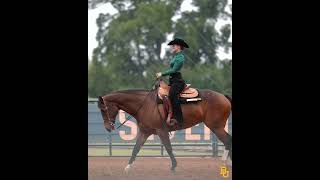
(129, 47)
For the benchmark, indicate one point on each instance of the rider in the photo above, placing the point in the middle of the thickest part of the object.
(175, 79)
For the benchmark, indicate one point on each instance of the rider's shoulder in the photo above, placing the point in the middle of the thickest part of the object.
(180, 55)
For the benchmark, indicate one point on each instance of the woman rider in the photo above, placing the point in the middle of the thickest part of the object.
(176, 82)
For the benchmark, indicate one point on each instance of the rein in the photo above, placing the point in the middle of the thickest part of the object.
(130, 116)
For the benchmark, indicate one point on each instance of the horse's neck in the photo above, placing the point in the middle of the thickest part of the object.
(128, 102)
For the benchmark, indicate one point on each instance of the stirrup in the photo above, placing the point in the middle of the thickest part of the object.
(171, 122)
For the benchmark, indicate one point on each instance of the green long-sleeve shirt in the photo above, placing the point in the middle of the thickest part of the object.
(175, 64)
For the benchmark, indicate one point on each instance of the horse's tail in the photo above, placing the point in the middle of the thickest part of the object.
(229, 98)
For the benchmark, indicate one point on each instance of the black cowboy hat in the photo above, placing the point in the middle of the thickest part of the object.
(179, 42)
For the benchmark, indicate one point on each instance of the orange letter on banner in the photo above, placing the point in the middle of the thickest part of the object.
(207, 132)
(190, 136)
(132, 125)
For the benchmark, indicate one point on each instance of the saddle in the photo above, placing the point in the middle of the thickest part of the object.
(187, 93)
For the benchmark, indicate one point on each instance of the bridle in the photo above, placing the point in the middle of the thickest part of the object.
(112, 121)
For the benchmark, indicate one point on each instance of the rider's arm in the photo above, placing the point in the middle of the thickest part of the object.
(178, 62)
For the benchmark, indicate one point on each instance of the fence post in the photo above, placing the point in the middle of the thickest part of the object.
(161, 149)
(214, 145)
(110, 144)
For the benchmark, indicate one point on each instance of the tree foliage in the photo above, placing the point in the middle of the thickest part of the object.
(129, 45)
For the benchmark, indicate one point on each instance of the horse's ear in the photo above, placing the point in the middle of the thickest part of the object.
(101, 103)
(158, 83)
(155, 85)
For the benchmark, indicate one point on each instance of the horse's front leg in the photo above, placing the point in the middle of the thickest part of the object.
(164, 136)
(141, 139)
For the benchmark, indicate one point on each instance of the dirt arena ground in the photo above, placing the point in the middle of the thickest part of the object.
(112, 168)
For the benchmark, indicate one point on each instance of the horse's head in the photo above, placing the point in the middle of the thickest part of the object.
(109, 112)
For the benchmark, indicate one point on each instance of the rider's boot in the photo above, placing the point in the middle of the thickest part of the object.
(169, 120)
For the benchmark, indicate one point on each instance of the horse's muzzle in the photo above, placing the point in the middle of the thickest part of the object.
(112, 125)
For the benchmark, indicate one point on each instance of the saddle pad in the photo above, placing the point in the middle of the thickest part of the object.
(183, 100)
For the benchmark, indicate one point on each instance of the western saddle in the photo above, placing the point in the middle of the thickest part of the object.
(189, 94)
(186, 93)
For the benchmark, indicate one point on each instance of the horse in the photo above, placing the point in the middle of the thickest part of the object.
(213, 110)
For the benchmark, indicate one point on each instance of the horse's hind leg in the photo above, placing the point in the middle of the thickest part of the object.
(222, 136)
(225, 138)
(216, 119)
(164, 136)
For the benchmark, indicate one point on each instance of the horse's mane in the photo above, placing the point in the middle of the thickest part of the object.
(131, 91)
(138, 92)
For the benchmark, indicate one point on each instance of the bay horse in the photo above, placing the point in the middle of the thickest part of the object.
(213, 110)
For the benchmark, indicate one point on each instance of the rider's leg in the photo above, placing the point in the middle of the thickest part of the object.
(175, 90)
(167, 102)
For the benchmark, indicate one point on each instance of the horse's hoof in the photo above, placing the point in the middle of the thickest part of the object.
(173, 167)
(126, 170)
(173, 170)
(229, 163)
(225, 155)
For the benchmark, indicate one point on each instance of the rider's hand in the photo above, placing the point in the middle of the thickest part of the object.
(158, 74)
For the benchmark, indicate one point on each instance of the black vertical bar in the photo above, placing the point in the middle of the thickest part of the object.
(212, 144)
(110, 144)
(161, 149)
